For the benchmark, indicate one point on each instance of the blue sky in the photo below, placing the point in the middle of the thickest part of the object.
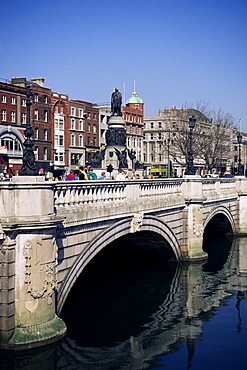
(177, 51)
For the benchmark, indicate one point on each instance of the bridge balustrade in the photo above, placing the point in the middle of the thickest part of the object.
(98, 194)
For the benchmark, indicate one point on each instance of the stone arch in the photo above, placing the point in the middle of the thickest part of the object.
(115, 231)
(12, 133)
(220, 210)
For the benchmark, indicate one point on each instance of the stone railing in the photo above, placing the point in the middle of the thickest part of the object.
(105, 193)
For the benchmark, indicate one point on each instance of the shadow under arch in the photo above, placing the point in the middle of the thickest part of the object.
(219, 221)
(150, 224)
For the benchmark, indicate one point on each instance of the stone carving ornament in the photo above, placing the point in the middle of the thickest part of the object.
(38, 274)
(136, 222)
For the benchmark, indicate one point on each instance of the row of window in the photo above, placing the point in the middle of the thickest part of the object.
(23, 116)
(81, 113)
(44, 99)
(36, 134)
(133, 118)
(45, 153)
(13, 100)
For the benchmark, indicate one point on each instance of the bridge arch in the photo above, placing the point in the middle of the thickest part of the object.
(223, 218)
(110, 234)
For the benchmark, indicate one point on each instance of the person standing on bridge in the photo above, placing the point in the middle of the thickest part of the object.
(82, 173)
(121, 176)
(91, 175)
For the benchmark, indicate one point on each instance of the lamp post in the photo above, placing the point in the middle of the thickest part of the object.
(29, 166)
(190, 165)
(168, 158)
(240, 167)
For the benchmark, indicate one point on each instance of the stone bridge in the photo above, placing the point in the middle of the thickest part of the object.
(49, 232)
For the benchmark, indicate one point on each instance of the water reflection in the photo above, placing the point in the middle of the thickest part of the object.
(158, 315)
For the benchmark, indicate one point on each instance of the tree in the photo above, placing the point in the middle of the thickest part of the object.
(211, 135)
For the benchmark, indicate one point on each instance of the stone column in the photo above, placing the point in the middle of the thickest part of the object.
(29, 238)
(192, 189)
(241, 185)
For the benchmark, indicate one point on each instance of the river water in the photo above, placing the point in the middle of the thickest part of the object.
(134, 313)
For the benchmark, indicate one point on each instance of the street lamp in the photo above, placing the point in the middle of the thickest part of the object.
(168, 158)
(190, 165)
(29, 166)
(240, 167)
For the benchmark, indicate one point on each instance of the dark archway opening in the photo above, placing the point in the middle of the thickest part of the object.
(118, 291)
(217, 242)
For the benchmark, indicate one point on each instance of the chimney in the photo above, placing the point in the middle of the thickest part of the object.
(38, 80)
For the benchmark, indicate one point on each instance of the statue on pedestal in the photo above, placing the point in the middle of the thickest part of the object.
(116, 102)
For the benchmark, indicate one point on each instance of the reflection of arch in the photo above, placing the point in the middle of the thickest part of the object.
(220, 211)
(119, 229)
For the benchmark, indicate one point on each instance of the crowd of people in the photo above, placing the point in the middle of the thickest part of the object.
(87, 173)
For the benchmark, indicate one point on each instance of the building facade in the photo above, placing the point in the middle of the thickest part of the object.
(166, 140)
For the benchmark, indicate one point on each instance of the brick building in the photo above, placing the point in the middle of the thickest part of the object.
(12, 125)
(133, 114)
(66, 132)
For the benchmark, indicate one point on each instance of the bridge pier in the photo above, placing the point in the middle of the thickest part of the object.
(28, 261)
(195, 233)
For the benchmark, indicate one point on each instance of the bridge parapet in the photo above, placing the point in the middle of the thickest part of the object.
(98, 197)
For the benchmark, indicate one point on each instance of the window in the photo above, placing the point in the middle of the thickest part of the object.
(81, 113)
(88, 115)
(160, 124)
(36, 153)
(88, 140)
(61, 140)
(24, 102)
(81, 125)
(12, 115)
(23, 118)
(36, 98)
(72, 140)
(151, 136)
(80, 140)
(36, 114)
(88, 127)
(72, 124)
(94, 116)
(4, 100)
(151, 125)
(94, 129)
(46, 116)
(4, 115)
(45, 154)
(36, 133)
(13, 100)
(159, 136)
(45, 99)
(45, 134)
(72, 111)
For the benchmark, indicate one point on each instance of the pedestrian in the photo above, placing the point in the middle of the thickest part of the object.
(71, 176)
(91, 175)
(121, 176)
(103, 176)
(82, 174)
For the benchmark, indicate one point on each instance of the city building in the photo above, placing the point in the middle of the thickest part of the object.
(14, 118)
(133, 114)
(166, 140)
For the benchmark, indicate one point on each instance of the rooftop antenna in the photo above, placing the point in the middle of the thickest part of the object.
(134, 85)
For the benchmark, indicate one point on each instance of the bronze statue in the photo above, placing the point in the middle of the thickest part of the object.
(116, 102)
